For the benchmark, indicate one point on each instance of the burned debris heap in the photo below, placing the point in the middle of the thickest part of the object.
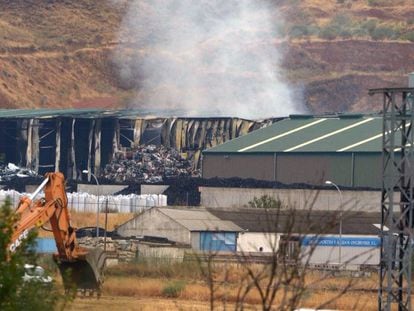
(149, 164)
(12, 172)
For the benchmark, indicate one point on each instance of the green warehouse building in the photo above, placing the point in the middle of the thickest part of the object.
(344, 148)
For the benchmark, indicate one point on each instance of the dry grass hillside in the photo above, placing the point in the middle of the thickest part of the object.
(57, 53)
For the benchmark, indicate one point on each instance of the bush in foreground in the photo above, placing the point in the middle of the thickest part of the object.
(16, 294)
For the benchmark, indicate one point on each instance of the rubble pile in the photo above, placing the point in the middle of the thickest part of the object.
(149, 164)
(129, 250)
(123, 250)
(11, 172)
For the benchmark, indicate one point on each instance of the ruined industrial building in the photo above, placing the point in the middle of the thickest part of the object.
(91, 139)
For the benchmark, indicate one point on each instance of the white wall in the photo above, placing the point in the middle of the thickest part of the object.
(153, 189)
(154, 223)
(369, 201)
(252, 241)
(350, 256)
(99, 189)
(195, 240)
(165, 252)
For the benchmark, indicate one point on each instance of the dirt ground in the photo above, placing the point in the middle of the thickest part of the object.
(121, 303)
(116, 303)
(137, 293)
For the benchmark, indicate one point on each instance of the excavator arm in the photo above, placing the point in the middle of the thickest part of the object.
(85, 265)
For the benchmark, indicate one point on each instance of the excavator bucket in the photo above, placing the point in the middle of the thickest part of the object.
(84, 274)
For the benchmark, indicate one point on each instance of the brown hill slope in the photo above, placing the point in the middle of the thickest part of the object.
(57, 53)
(54, 53)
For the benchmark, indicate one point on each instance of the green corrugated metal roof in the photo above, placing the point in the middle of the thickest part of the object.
(356, 133)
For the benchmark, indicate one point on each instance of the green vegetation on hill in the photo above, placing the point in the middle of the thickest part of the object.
(372, 20)
(342, 26)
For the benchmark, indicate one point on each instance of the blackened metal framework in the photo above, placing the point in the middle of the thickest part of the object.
(397, 201)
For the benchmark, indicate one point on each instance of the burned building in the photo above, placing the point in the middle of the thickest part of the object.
(72, 140)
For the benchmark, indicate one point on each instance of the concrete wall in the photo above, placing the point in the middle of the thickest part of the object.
(168, 253)
(101, 189)
(153, 189)
(345, 169)
(154, 223)
(253, 241)
(195, 240)
(369, 201)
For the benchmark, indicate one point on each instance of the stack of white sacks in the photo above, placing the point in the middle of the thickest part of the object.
(13, 196)
(131, 203)
(84, 202)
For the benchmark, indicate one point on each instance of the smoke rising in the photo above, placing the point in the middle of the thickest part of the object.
(205, 57)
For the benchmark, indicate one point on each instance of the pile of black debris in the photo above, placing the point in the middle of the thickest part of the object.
(12, 172)
(15, 177)
(148, 164)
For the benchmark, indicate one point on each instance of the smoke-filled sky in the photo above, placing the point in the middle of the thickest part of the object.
(204, 57)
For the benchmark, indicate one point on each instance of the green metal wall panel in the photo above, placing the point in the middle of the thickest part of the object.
(259, 167)
(344, 169)
(368, 170)
(314, 169)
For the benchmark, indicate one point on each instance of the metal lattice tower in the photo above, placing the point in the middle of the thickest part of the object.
(397, 199)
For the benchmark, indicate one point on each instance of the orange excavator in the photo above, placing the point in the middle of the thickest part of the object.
(80, 267)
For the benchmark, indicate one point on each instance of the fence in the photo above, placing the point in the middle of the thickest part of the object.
(84, 202)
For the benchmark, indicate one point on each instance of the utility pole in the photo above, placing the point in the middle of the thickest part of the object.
(341, 216)
(397, 201)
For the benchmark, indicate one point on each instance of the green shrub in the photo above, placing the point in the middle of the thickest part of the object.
(341, 25)
(302, 30)
(328, 33)
(383, 32)
(385, 2)
(370, 25)
(173, 289)
(266, 202)
(345, 33)
(313, 30)
(377, 2)
(15, 294)
(298, 31)
(408, 36)
(341, 21)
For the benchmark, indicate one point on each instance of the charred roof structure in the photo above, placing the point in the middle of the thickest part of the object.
(72, 140)
(344, 148)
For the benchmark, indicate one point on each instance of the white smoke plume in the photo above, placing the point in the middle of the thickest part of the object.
(204, 57)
